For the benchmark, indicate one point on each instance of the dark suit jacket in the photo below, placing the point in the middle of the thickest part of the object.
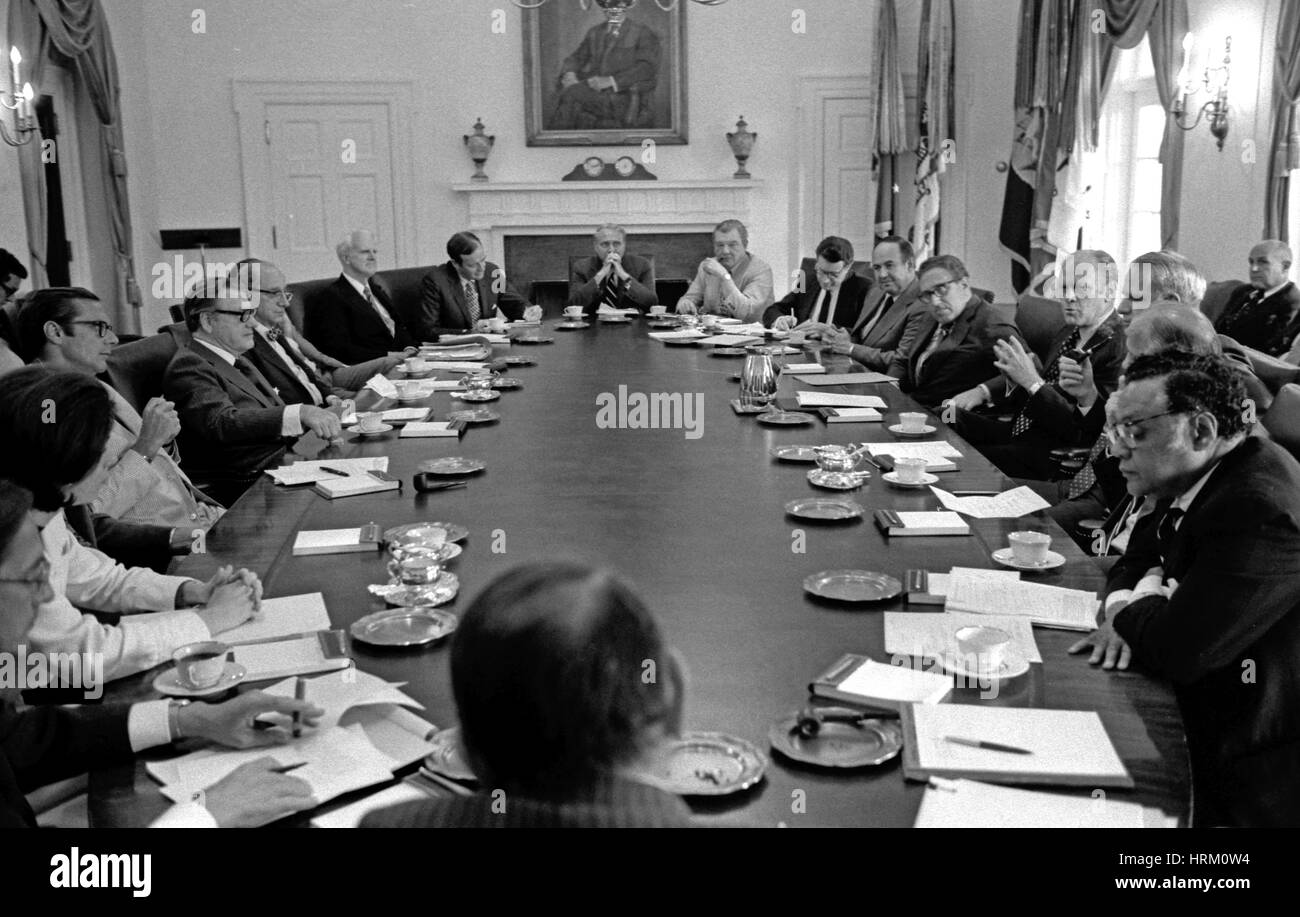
(282, 377)
(618, 804)
(228, 426)
(886, 346)
(346, 327)
(42, 745)
(853, 290)
(632, 60)
(637, 293)
(1229, 637)
(443, 307)
(963, 359)
(1262, 325)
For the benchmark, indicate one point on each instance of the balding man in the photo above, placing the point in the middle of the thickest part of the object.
(353, 320)
(612, 277)
(1263, 313)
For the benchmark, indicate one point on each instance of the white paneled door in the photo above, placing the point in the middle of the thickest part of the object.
(848, 189)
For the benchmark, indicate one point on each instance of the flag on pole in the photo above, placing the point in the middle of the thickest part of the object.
(934, 139)
(891, 118)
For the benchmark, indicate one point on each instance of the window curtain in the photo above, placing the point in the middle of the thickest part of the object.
(77, 32)
(891, 118)
(934, 92)
(1284, 142)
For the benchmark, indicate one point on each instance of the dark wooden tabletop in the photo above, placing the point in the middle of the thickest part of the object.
(697, 527)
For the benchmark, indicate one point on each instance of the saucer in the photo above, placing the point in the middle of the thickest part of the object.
(852, 585)
(747, 409)
(476, 396)
(438, 593)
(410, 627)
(453, 465)
(785, 418)
(572, 326)
(824, 509)
(730, 352)
(862, 744)
(481, 415)
(615, 319)
(533, 340)
(506, 384)
(518, 361)
(708, 764)
(838, 480)
(1005, 557)
(378, 431)
(794, 453)
(897, 430)
(1013, 666)
(168, 683)
(451, 531)
(926, 479)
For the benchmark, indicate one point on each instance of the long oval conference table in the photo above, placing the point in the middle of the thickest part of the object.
(696, 525)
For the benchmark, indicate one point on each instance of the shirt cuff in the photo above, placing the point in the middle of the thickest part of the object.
(185, 815)
(291, 424)
(1033, 389)
(1118, 597)
(146, 724)
(988, 395)
(615, 82)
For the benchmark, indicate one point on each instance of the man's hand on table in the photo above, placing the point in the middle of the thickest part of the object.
(231, 723)
(256, 794)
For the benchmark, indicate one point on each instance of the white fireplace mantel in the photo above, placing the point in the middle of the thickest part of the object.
(498, 209)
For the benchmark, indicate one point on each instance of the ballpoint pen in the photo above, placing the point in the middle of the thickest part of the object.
(342, 474)
(989, 746)
(299, 693)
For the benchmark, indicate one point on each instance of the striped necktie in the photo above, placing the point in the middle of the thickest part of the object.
(936, 339)
(380, 311)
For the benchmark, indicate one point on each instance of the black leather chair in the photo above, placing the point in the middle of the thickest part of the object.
(136, 369)
(1282, 420)
(1039, 320)
(401, 284)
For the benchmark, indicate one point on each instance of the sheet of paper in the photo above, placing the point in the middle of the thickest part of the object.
(453, 366)
(897, 683)
(1012, 504)
(1060, 742)
(837, 400)
(729, 340)
(849, 379)
(282, 617)
(972, 804)
(310, 472)
(350, 816)
(754, 329)
(928, 450)
(381, 386)
(338, 692)
(1044, 605)
(687, 335)
(805, 368)
(264, 660)
(398, 734)
(437, 428)
(934, 634)
(938, 582)
(404, 415)
(855, 415)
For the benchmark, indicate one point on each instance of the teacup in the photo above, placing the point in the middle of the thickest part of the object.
(838, 459)
(370, 423)
(200, 665)
(411, 391)
(909, 469)
(982, 648)
(413, 365)
(912, 422)
(658, 310)
(708, 320)
(479, 382)
(496, 325)
(1029, 547)
(415, 570)
(573, 313)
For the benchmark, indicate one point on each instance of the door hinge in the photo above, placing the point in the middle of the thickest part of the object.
(266, 131)
(275, 239)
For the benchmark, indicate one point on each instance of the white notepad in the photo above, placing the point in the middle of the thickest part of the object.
(849, 379)
(433, 428)
(806, 369)
(889, 686)
(310, 472)
(933, 634)
(404, 415)
(332, 541)
(1042, 604)
(973, 804)
(854, 415)
(837, 400)
(282, 617)
(350, 816)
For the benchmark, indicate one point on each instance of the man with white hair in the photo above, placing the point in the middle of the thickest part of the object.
(1263, 314)
(353, 319)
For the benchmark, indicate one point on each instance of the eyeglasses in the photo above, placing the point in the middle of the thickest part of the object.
(40, 576)
(1126, 433)
(828, 274)
(245, 315)
(285, 294)
(102, 329)
(938, 292)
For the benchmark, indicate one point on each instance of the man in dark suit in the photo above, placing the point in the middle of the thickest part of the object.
(834, 301)
(954, 346)
(612, 277)
(44, 744)
(1045, 414)
(468, 291)
(549, 674)
(1261, 314)
(885, 331)
(233, 422)
(597, 80)
(1206, 594)
(352, 320)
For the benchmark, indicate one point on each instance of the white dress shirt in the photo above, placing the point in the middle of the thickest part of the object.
(146, 727)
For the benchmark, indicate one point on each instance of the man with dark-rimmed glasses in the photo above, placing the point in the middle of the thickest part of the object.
(1207, 593)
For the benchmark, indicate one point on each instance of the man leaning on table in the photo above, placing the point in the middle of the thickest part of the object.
(467, 291)
(834, 300)
(1207, 594)
(44, 744)
(733, 283)
(612, 278)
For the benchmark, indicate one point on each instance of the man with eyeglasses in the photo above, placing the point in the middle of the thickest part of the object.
(68, 329)
(1207, 593)
(833, 301)
(954, 347)
(466, 293)
(233, 421)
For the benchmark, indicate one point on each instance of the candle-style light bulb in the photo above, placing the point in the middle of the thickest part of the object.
(28, 92)
(15, 56)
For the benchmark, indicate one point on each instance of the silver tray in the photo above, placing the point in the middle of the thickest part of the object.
(453, 531)
(709, 764)
(852, 585)
(453, 465)
(785, 419)
(827, 509)
(862, 744)
(794, 453)
(439, 593)
(409, 627)
(480, 415)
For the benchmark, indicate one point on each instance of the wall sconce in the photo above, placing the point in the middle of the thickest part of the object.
(1215, 81)
(19, 101)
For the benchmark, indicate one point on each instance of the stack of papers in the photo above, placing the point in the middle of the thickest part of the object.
(1043, 605)
(437, 428)
(729, 340)
(938, 454)
(404, 415)
(802, 368)
(283, 617)
(835, 400)
(860, 680)
(310, 472)
(381, 386)
(1010, 505)
(971, 804)
(933, 635)
(689, 334)
(850, 379)
(455, 367)
(754, 329)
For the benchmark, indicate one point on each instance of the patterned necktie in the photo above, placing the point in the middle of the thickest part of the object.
(1085, 477)
(380, 311)
(936, 339)
(317, 393)
(253, 375)
(471, 300)
(1053, 375)
(1166, 530)
(274, 333)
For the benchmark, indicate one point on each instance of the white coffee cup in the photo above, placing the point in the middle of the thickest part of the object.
(658, 310)
(369, 423)
(912, 422)
(1029, 547)
(573, 313)
(909, 469)
(200, 665)
(982, 648)
(496, 325)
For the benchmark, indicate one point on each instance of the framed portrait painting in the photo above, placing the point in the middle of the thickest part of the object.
(610, 74)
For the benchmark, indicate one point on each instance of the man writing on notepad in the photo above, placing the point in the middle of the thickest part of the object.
(1206, 594)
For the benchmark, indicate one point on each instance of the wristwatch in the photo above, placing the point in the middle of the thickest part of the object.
(174, 717)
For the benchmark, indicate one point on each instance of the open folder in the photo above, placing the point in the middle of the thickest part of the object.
(971, 804)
